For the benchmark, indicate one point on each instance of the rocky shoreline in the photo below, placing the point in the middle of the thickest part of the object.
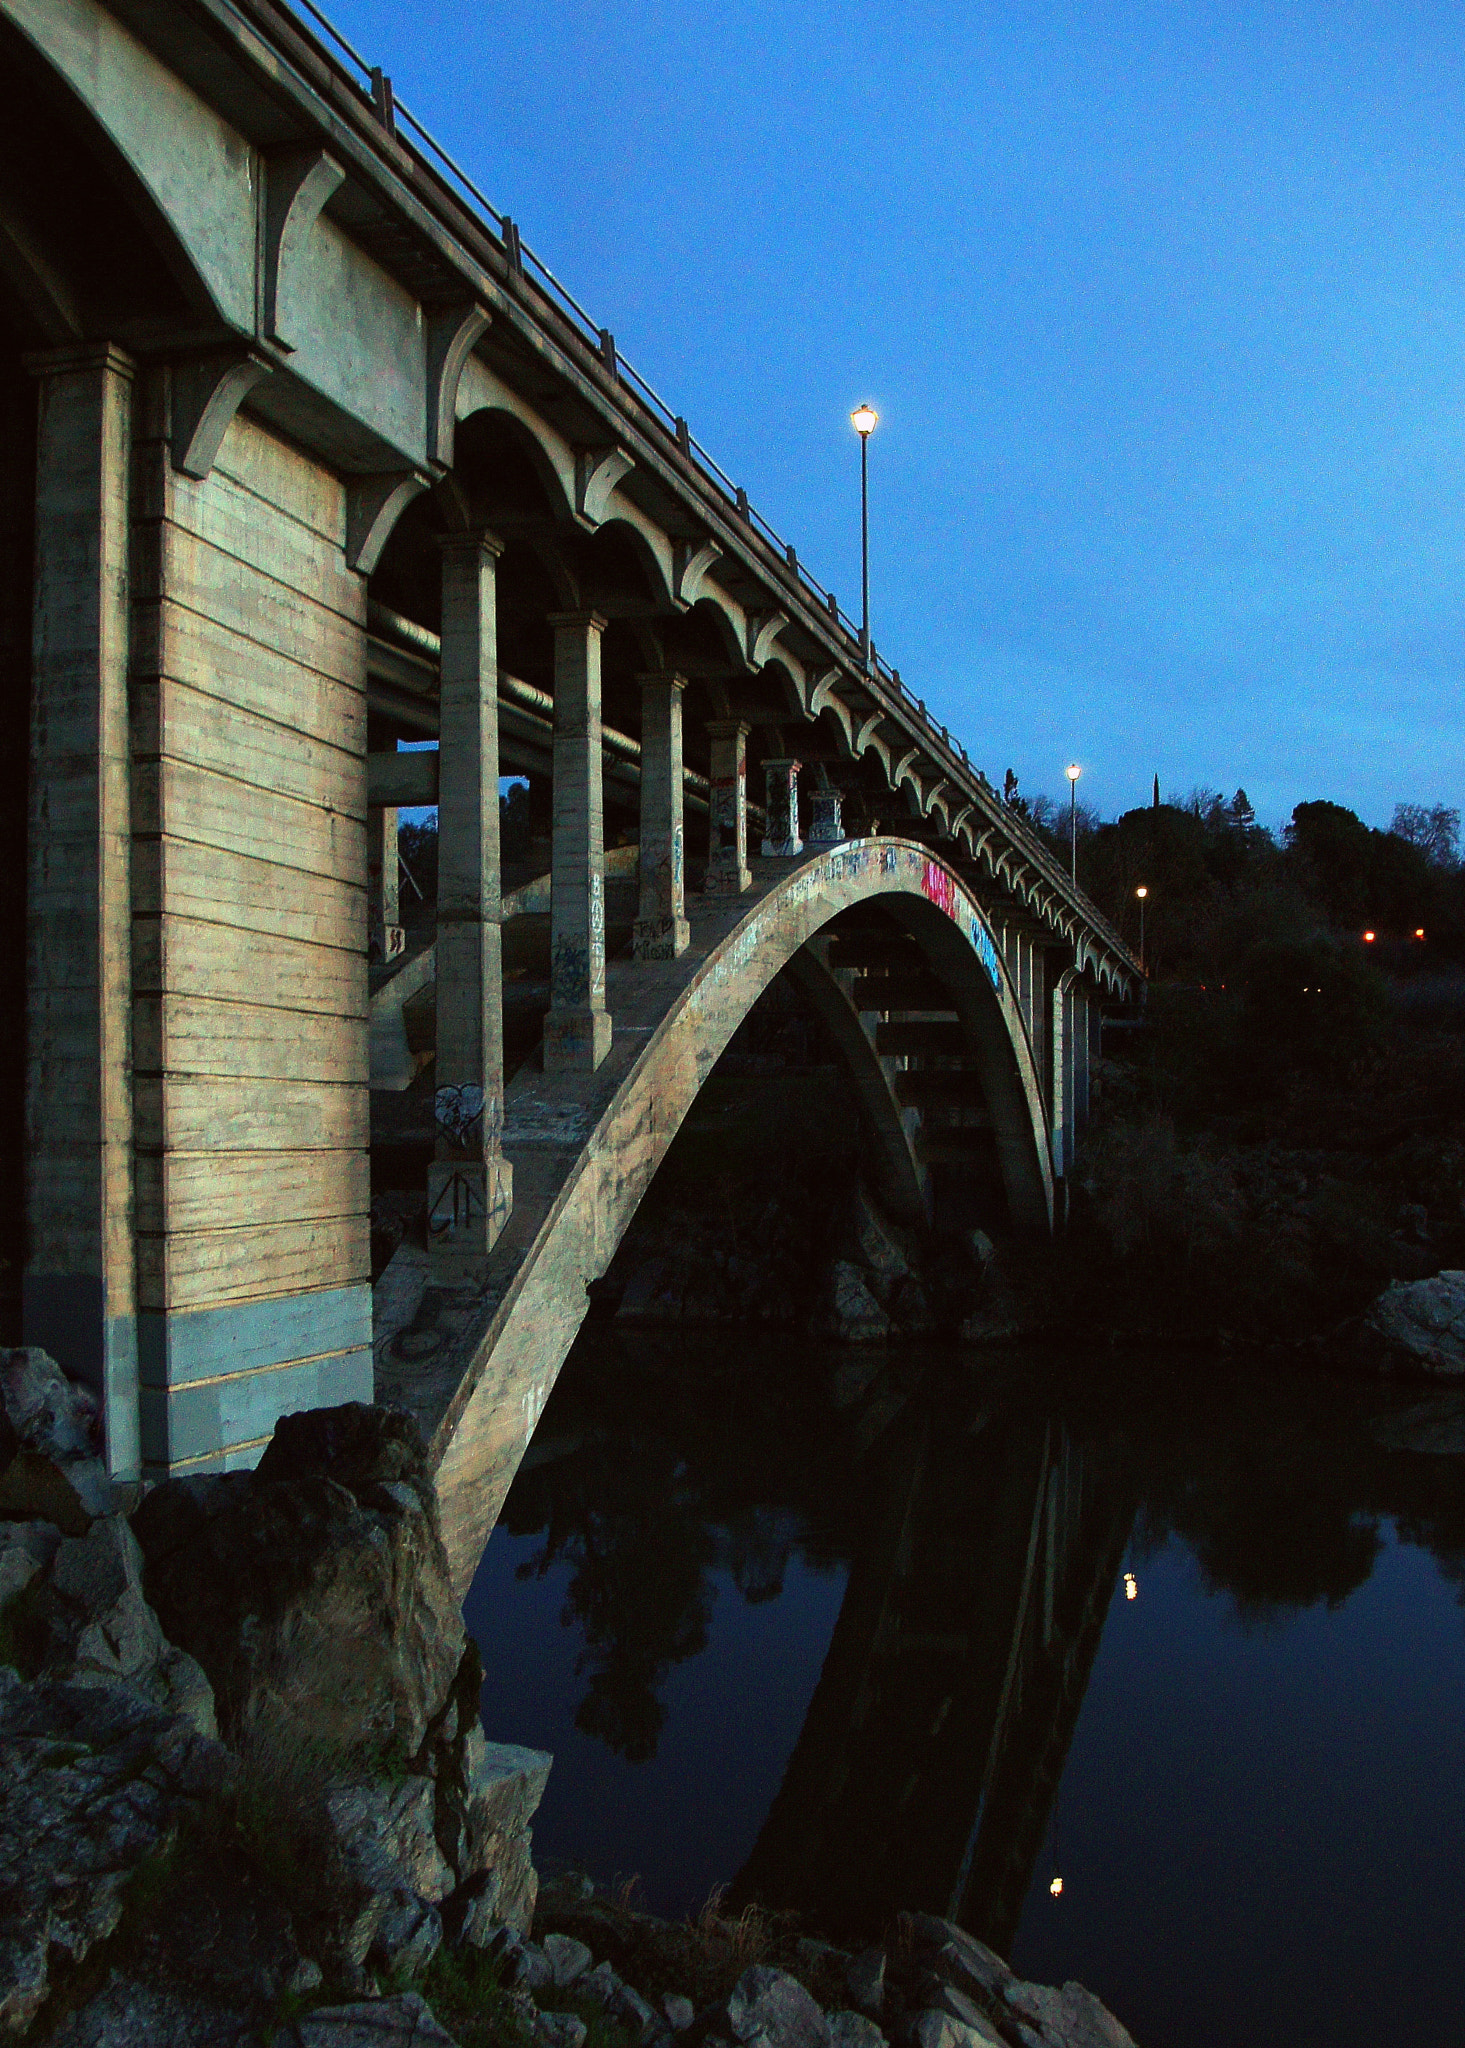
(245, 1795)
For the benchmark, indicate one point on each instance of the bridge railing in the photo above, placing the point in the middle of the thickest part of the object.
(374, 88)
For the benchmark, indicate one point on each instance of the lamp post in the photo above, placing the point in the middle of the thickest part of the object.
(1073, 772)
(864, 419)
(1141, 892)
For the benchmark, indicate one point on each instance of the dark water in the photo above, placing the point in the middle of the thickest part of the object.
(850, 1648)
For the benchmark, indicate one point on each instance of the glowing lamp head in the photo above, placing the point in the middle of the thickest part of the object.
(1131, 1586)
(1073, 771)
(1056, 1887)
(1420, 933)
(864, 419)
(1368, 938)
(1141, 893)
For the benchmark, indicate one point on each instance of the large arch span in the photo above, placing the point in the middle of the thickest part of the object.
(584, 1148)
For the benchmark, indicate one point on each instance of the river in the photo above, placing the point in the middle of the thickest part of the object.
(1151, 1672)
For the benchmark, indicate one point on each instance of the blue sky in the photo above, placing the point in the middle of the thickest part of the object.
(1163, 308)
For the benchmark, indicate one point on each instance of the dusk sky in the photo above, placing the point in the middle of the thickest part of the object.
(1163, 309)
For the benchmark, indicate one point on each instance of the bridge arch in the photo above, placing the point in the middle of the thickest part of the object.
(582, 1166)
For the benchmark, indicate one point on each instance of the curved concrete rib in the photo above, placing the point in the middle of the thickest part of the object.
(477, 1370)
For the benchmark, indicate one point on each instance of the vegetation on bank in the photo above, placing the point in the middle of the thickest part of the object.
(1283, 1132)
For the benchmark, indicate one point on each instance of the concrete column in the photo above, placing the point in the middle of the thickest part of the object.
(577, 1031)
(728, 873)
(1081, 1040)
(781, 814)
(662, 931)
(79, 1290)
(1068, 998)
(384, 882)
(470, 1184)
(1058, 1108)
(826, 819)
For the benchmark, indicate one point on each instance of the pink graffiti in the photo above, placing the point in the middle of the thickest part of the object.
(939, 887)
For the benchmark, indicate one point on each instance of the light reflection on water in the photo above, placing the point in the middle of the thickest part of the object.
(842, 1659)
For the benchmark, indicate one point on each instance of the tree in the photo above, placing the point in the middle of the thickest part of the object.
(1433, 828)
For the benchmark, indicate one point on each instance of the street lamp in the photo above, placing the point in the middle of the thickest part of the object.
(864, 420)
(1141, 892)
(1073, 772)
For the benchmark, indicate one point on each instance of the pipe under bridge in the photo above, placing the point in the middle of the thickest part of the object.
(318, 496)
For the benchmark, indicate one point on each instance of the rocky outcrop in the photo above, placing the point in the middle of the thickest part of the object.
(315, 1593)
(1418, 1326)
(94, 1782)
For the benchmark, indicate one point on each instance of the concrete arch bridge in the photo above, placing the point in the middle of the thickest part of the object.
(319, 496)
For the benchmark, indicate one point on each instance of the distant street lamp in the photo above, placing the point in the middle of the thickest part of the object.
(864, 420)
(1141, 892)
(1073, 772)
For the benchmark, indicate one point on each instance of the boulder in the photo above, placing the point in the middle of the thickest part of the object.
(94, 1780)
(405, 2021)
(314, 1589)
(560, 2030)
(934, 2029)
(680, 2012)
(568, 1959)
(854, 1315)
(26, 1548)
(1070, 2018)
(864, 1979)
(854, 2030)
(51, 1467)
(128, 2014)
(88, 1622)
(1418, 1325)
(768, 2005)
(878, 1243)
(964, 1962)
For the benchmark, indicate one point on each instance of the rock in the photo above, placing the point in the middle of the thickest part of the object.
(524, 1965)
(25, 1549)
(502, 1785)
(946, 1998)
(601, 1984)
(569, 1959)
(776, 2006)
(632, 2010)
(680, 2012)
(47, 1411)
(855, 1316)
(389, 1828)
(470, 1916)
(997, 1322)
(316, 1587)
(942, 2030)
(560, 2030)
(50, 1443)
(1434, 1428)
(911, 1308)
(969, 1964)
(408, 1936)
(1070, 2018)
(405, 2021)
(128, 2014)
(90, 1624)
(877, 1241)
(981, 1247)
(1418, 1325)
(854, 2030)
(865, 1979)
(93, 1781)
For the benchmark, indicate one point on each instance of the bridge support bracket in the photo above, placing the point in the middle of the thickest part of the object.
(374, 504)
(207, 391)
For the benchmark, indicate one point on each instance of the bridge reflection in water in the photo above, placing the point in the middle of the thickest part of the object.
(930, 1757)
(981, 1545)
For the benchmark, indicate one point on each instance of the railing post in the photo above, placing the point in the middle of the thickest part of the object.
(728, 873)
(470, 1183)
(79, 1288)
(577, 1031)
(662, 931)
